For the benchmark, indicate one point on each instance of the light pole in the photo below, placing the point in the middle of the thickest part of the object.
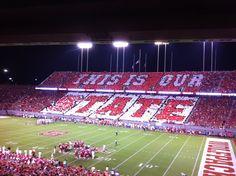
(165, 43)
(203, 55)
(117, 45)
(212, 55)
(82, 46)
(158, 53)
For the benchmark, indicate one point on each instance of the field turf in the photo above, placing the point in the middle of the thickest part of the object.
(137, 153)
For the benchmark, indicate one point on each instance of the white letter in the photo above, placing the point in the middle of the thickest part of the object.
(104, 79)
(115, 79)
(81, 76)
(196, 80)
(165, 80)
(179, 83)
(129, 80)
(92, 80)
(141, 79)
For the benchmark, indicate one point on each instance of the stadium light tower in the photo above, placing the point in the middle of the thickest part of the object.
(5, 70)
(165, 43)
(82, 46)
(158, 43)
(203, 55)
(123, 45)
(10, 79)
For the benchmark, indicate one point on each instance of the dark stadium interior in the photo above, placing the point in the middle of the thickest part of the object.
(102, 21)
(114, 87)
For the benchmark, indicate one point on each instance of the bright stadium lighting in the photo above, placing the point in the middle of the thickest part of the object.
(10, 79)
(158, 43)
(123, 45)
(120, 44)
(5, 70)
(85, 45)
(82, 46)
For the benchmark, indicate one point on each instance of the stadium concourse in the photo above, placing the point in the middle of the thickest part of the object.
(200, 101)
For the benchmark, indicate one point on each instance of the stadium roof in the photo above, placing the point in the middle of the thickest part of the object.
(67, 22)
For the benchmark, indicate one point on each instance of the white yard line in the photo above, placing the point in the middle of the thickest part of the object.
(138, 151)
(4, 117)
(116, 151)
(84, 132)
(197, 156)
(76, 137)
(153, 157)
(15, 134)
(95, 143)
(176, 156)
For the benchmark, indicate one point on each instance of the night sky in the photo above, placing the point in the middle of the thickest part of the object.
(27, 63)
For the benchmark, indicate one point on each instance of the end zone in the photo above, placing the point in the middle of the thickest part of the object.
(218, 158)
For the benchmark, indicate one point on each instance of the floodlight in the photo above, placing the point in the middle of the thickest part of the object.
(158, 43)
(10, 79)
(85, 45)
(5, 70)
(120, 44)
(161, 43)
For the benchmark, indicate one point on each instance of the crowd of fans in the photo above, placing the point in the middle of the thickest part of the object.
(221, 81)
(208, 112)
(10, 94)
(20, 164)
(214, 112)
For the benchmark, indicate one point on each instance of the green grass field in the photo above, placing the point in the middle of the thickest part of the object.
(137, 153)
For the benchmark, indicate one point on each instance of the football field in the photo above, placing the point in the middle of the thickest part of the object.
(137, 153)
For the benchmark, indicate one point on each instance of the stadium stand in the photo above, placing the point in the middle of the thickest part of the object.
(10, 94)
(145, 108)
(133, 97)
(190, 82)
(20, 164)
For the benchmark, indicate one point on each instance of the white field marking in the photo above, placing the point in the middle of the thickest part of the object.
(13, 130)
(117, 151)
(50, 138)
(173, 137)
(26, 136)
(102, 129)
(94, 143)
(108, 145)
(112, 143)
(11, 143)
(81, 127)
(137, 151)
(76, 137)
(123, 131)
(91, 144)
(148, 134)
(153, 157)
(176, 156)
(46, 147)
(220, 167)
(4, 117)
(63, 125)
(79, 132)
(197, 157)
(16, 135)
(39, 148)
(23, 132)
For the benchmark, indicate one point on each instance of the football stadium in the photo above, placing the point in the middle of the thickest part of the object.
(136, 119)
